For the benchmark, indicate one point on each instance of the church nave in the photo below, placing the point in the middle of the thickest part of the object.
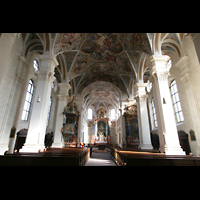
(134, 91)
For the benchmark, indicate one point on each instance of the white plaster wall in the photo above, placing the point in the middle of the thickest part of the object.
(9, 95)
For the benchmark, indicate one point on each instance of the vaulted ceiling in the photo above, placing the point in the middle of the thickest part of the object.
(101, 67)
(101, 63)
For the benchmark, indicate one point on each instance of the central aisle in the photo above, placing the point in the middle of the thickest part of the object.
(100, 159)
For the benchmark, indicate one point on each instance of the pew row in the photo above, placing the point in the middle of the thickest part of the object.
(51, 157)
(141, 158)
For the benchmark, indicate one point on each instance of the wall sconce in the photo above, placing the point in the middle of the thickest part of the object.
(164, 101)
(38, 99)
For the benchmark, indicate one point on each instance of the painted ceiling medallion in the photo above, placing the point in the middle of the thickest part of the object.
(103, 68)
(102, 46)
(102, 93)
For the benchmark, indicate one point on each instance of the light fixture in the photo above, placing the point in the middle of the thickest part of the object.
(38, 99)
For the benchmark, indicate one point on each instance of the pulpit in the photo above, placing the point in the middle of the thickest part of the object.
(70, 124)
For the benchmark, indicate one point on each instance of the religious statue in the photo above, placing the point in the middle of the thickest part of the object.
(131, 110)
(126, 109)
(70, 106)
(101, 113)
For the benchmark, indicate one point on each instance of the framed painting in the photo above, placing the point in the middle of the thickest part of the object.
(12, 132)
(192, 135)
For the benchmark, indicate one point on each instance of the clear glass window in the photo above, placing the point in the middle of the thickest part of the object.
(89, 113)
(35, 65)
(28, 100)
(49, 111)
(112, 114)
(176, 102)
(154, 113)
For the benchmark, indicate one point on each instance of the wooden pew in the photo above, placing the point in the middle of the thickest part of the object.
(114, 151)
(139, 158)
(148, 159)
(51, 157)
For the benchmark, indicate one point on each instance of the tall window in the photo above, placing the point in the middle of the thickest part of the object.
(27, 103)
(35, 65)
(112, 114)
(89, 113)
(169, 64)
(154, 113)
(49, 111)
(176, 102)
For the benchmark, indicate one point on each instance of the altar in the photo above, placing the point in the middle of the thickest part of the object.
(101, 129)
(101, 144)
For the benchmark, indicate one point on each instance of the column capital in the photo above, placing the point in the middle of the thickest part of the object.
(49, 57)
(140, 90)
(159, 60)
(46, 76)
(159, 69)
(64, 88)
(141, 98)
(47, 62)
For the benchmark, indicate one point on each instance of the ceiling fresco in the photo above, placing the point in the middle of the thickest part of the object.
(68, 41)
(101, 93)
(102, 46)
(101, 60)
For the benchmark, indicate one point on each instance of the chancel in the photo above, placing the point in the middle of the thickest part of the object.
(132, 96)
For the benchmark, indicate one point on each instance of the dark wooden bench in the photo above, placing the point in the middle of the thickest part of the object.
(129, 160)
(51, 157)
(141, 158)
(114, 151)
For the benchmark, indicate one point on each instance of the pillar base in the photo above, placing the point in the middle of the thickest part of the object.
(32, 148)
(58, 145)
(146, 146)
(3, 148)
(174, 151)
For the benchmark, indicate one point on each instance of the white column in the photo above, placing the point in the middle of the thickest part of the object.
(144, 131)
(163, 106)
(62, 102)
(21, 81)
(193, 105)
(37, 126)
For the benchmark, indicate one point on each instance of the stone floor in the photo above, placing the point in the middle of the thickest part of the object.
(101, 159)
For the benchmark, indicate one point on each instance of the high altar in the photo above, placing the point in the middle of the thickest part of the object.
(101, 129)
(70, 124)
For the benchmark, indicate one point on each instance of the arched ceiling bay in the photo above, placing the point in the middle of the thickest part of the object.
(101, 95)
(106, 63)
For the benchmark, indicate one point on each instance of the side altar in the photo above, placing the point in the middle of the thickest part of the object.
(70, 124)
(132, 131)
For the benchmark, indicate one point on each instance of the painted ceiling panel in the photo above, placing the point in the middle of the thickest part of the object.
(103, 63)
